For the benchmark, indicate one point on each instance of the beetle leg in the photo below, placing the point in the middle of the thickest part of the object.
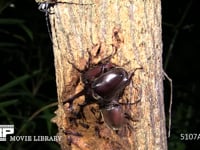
(108, 58)
(71, 99)
(88, 65)
(128, 103)
(81, 113)
(126, 63)
(68, 132)
(132, 73)
(97, 131)
(129, 117)
(99, 117)
(74, 66)
(84, 125)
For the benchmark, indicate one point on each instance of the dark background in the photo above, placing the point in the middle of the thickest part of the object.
(27, 80)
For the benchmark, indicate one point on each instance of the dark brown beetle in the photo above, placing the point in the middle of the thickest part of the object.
(110, 84)
(104, 84)
(113, 116)
(108, 89)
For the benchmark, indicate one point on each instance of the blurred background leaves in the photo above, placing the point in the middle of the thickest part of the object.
(27, 80)
(181, 29)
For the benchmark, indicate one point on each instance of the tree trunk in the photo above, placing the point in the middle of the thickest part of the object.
(133, 29)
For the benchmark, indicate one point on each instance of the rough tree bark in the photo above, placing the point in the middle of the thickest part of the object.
(133, 28)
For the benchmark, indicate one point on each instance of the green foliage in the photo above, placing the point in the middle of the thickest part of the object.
(27, 80)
